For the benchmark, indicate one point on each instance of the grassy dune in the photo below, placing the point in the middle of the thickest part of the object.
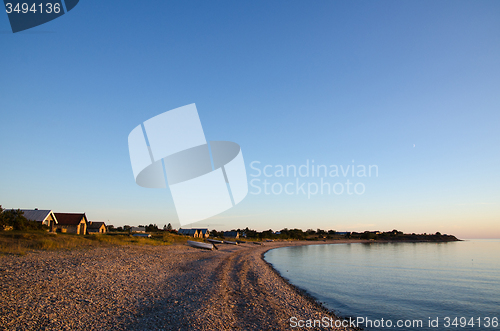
(20, 242)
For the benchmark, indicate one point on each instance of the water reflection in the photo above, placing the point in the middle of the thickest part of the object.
(398, 280)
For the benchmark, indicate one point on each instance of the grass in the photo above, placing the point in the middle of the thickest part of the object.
(21, 242)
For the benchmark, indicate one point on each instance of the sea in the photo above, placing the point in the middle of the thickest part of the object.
(381, 286)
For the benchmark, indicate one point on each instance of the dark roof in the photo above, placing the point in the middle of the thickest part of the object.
(69, 218)
(36, 215)
(203, 231)
(231, 234)
(191, 232)
(95, 225)
(187, 232)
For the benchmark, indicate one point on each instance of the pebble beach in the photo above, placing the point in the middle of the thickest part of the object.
(134, 287)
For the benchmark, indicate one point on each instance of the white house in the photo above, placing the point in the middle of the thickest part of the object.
(46, 217)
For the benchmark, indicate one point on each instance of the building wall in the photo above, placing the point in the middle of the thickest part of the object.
(77, 229)
(67, 228)
(83, 227)
(49, 221)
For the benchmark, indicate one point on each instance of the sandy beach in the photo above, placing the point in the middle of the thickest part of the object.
(150, 288)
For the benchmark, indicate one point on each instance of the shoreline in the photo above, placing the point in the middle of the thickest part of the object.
(303, 292)
(174, 287)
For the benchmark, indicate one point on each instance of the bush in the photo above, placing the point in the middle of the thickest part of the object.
(368, 235)
(16, 219)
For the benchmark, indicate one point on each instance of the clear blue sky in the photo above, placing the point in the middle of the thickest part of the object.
(410, 86)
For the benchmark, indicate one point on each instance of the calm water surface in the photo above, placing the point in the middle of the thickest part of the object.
(400, 281)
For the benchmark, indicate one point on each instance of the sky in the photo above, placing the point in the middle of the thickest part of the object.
(410, 87)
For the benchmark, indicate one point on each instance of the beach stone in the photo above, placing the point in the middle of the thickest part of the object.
(150, 288)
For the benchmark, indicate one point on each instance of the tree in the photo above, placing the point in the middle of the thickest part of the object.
(310, 232)
(16, 219)
(268, 234)
(216, 234)
(151, 228)
(368, 235)
(169, 227)
(1, 219)
(251, 233)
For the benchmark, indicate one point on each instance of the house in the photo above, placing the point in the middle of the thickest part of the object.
(195, 233)
(189, 232)
(343, 233)
(46, 217)
(96, 227)
(71, 223)
(203, 233)
(138, 229)
(231, 234)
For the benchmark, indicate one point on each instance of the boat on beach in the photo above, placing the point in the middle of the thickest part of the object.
(197, 244)
(144, 235)
(215, 241)
(258, 243)
(230, 242)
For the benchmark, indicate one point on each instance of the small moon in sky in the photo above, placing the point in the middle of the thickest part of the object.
(413, 145)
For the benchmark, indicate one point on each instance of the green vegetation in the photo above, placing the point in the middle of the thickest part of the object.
(14, 219)
(20, 242)
(26, 235)
(396, 235)
(284, 234)
(319, 234)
